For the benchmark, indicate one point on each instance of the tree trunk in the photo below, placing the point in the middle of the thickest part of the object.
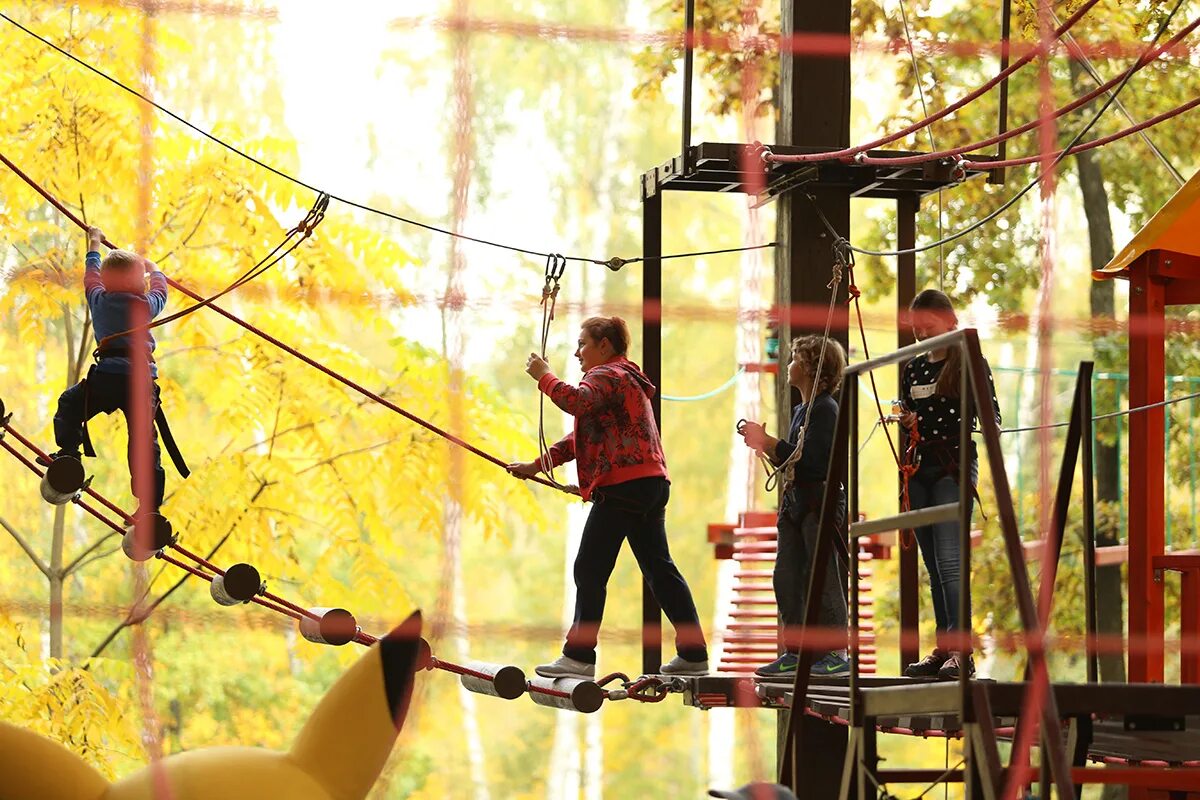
(56, 582)
(1109, 598)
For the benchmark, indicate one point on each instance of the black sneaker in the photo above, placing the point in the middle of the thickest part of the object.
(830, 665)
(782, 667)
(951, 670)
(929, 666)
(46, 460)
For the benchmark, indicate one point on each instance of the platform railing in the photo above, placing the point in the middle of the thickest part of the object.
(974, 390)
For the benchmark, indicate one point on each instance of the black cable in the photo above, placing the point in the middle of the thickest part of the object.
(1066, 151)
(613, 263)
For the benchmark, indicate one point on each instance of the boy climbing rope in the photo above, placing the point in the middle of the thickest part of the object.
(115, 288)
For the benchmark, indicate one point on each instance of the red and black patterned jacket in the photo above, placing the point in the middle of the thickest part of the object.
(615, 438)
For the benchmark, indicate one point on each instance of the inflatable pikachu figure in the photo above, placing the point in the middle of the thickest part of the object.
(337, 756)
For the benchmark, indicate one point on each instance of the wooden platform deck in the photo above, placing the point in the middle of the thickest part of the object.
(1137, 724)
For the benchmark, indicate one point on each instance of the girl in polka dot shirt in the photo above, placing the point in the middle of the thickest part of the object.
(930, 392)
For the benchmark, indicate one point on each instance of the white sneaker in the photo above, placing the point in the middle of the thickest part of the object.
(681, 666)
(565, 667)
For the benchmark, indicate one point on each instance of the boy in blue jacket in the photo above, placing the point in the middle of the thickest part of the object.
(119, 302)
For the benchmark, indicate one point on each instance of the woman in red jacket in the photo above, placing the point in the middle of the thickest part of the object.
(623, 472)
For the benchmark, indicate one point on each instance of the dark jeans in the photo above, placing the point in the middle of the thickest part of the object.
(935, 484)
(634, 510)
(104, 393)
(796, 547)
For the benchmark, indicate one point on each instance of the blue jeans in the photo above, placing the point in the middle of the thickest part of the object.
(940, 544)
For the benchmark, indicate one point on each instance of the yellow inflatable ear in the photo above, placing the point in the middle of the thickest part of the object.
(33, 767)
(349, 736)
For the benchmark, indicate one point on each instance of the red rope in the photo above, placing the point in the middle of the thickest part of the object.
(33, 468)
(459, 669)
(1145, 59)
(272, 602)
(204, 562)
(286, 348)
(185, 567)
(89, 491)
(288, 604)
(1080, 148)
(283, 611)
(950, 109)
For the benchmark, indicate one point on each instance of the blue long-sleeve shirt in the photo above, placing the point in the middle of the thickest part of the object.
(112, 313)
(819, 420)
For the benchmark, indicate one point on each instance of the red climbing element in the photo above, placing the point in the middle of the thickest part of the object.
(1081, 148)
(908, 468)
(925, 158)
(238, 585)
(1040, 50)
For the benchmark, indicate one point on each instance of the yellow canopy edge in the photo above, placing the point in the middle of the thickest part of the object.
(1175, 227)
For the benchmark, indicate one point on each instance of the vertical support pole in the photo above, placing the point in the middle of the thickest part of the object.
(652, 366)
(906, 290)
(850, 388)
(1026, 607)
(1189, 625)
(1052, 552)
(1147, 376)
(997, 175)
(814, 110)
(965, 495)
(861, 748)
(689, 51)
(1091, 623)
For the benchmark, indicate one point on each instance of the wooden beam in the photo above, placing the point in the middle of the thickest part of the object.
(1147, 501)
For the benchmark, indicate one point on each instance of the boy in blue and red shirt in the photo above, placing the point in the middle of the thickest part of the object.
(115, 287)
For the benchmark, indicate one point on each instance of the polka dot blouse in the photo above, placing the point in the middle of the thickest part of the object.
(937, 415)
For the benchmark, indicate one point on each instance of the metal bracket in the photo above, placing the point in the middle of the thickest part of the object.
(1147, 722)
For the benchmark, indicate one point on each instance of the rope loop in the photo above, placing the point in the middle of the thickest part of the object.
(556, 265)
(648, 690)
